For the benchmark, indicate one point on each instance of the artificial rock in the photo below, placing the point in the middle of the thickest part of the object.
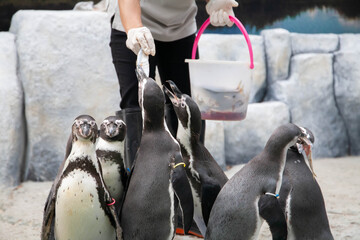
(66, 70)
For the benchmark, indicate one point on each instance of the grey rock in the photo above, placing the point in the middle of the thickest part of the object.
(12, 138)
(66, 69)
(278, 52)
(245, 139)
(214, 141)
(310, 96)
(233, 47)
(349, 42)
(347, 93)
(314, 43)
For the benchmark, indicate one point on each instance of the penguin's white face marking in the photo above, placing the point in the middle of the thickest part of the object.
(113, 129)
(304, 146)
(84, 129)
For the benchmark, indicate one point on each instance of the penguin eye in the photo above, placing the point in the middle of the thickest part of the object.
(77, 123)
(119, 123)
(92, 123)
(183, 102)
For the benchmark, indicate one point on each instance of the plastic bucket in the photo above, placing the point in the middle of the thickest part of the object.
(221, 88)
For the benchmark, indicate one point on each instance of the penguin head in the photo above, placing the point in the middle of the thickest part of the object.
(185, 108)
(151, 99)
(304, 146)
(113, 129)
(84, 128)
(283, 138)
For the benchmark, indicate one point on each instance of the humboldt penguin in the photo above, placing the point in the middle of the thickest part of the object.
(79, 205)
(205, 175)
(110, 152)
(158, 179)
(300, 195)
(236, 211)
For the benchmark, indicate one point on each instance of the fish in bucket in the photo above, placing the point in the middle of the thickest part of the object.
(221, 88)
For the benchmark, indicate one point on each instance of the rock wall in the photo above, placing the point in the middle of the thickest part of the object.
(64, 69)
(12, 137)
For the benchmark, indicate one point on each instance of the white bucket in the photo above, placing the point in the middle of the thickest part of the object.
(221, 88)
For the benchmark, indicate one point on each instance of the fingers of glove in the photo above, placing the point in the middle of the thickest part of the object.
(143, 43)
(133, 46)
(226, 18)
(213, 18)
(223, 17)
(234, 3)
(150, 41)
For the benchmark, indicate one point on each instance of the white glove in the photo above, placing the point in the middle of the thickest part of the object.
(140, 38)
(219, 11)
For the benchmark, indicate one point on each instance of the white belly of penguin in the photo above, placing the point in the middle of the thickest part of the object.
(78, 214)
(112, 179)
(198, 217)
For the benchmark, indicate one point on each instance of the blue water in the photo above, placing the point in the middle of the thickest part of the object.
(317, 20)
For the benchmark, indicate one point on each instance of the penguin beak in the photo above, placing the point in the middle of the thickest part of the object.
(175, 94)
(111, 130)
(85, 130)
(304, 146)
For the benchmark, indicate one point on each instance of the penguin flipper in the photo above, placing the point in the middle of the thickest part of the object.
(47, 231)
(270, 210)
(117, 222)
(183, 192)
(209, 193)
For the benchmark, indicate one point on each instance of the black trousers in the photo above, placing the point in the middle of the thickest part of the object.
(170, 60)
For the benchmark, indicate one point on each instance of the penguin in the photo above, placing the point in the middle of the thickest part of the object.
(110, 152)
(300, 195)
(236, 211)
(158, 181)
(205, 175)
(79, 205)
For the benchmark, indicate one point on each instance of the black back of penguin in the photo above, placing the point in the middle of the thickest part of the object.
(79, 177)
(301, 198)
(158, 180)
(110, 152)
(205, 175)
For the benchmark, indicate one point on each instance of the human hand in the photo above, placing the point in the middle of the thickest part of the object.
(140, 38)
(220, 10)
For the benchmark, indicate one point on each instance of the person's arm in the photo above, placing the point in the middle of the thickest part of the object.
(138, 36)
(130, 14)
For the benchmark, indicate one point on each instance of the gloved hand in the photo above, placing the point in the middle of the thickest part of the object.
(219, 11)
(140, 38)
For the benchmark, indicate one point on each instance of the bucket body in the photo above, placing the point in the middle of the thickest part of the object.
(220, 88)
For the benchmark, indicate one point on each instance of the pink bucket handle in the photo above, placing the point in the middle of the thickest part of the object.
(238, 24)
